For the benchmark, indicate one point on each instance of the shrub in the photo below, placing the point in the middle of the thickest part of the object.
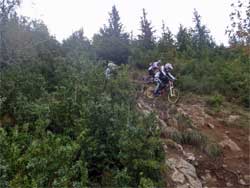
(215, 100)
(213, 150)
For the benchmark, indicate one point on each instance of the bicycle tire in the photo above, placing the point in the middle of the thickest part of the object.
(175, 97)
(149, 92)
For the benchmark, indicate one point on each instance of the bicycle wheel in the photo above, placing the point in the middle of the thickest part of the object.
(174, 97)
(149, 92)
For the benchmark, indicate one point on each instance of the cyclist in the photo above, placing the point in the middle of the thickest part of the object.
(162, 77)
(111, 69)
(153, 68)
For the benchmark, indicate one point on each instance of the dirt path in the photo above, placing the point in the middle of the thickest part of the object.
(221, 161)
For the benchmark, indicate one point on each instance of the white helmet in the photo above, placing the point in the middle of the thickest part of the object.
(168, 67)
(112, 65)
(158, 62)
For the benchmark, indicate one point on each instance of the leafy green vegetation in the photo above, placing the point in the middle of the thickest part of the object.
(83, 131)
(62, 124)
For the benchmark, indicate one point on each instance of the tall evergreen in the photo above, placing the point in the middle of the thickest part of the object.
(184, 41)
(77, 45)
(146, 38)
(112, 43)
(7, 9)
(166, 44)
(201, 38)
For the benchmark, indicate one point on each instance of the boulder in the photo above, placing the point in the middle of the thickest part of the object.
(188, 177)
(230, 143)
(233, 118)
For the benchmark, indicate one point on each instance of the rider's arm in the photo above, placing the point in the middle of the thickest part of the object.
(163, 71)
(171, 76)
(157, 76)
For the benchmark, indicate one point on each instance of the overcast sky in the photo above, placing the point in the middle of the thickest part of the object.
(65, 16)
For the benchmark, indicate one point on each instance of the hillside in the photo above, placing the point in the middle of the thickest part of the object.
(74, 114)
(204, 146)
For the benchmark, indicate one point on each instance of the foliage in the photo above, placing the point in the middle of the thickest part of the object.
(239, 30)
(112, 43)
(70, 127)
(215, 100)
(146, 38)
(81, 133)
(213, 150)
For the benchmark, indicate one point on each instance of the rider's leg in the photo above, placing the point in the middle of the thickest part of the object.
(151, 72)
(157, 88)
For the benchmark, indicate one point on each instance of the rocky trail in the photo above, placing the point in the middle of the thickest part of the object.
(204, 147)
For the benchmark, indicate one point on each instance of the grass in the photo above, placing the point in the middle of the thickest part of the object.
(213, 150)
(199, 140)
(184, 121)
(194, 138)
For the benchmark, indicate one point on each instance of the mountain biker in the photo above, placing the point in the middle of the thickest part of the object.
(153, 68)
(111, 68)
(162, 77)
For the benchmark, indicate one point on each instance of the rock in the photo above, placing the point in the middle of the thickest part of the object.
(207, 171)
(227, 132)
(242, 182)
(178, 177)
(180, 148)
(230, 143)
(196, 163)
(194, 182)
(163, 124)
(165, 147)
(208, 176)
(228, 184)
(224, 166)
(233, 118)
(181, 111)
(183, 186)
(146, 112)
(203, 177)
(190, 156)
(169, 130)
(139, 105)
(210, 125)
(172, 122)
(187, 170)
(247, 178)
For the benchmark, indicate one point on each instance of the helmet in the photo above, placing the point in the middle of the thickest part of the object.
(112, 65)
(158, 62)
(168, 67)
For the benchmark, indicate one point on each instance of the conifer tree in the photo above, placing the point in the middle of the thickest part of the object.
(146, 38)
(112, 43)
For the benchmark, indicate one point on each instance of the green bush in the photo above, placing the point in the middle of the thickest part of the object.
(213, 150)
(81, 131)
(215, 100)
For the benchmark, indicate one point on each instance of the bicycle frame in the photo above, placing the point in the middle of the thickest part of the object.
(169, 86)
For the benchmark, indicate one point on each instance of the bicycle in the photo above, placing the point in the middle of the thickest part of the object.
(173, 93)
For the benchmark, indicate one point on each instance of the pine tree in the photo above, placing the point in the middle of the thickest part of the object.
(112, 42)
(7, 8)
(166, 44)
(167, 40)
(184, 41)
(201, 38)
(77, 45)
(146, 38)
